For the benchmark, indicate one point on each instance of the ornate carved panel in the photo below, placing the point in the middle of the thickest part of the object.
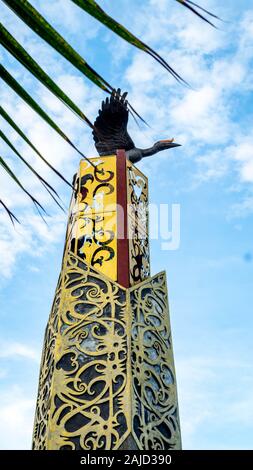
(137, 196)
(107, 378)
(90, 391)
(42, 414)
(155, 405)
(107, 369)
(139, 263)
(92, 227)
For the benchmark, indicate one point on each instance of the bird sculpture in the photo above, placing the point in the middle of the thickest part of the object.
(110, 130)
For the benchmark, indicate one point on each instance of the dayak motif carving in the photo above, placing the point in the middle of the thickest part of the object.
(137, 207)
(42, 414)
(107, 369)
(155, 404)
(93, 219)
(107, 378)
(85, 380)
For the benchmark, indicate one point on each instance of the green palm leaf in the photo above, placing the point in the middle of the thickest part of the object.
(6, 76)
(91, 7)
(10, 43)
(46, 185)
(190, 5)
(10, 214)
(37, 23)
(14, 177)
(10, 121)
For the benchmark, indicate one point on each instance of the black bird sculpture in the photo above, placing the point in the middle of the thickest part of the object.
(110, 130)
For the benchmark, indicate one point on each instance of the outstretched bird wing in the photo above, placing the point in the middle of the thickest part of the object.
(110, 128)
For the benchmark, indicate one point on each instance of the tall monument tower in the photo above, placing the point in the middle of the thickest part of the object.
(107, 378)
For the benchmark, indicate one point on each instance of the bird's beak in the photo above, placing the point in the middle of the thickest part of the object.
(174, 145)
(170, 143)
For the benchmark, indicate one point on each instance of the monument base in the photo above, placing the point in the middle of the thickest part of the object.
(107, 378)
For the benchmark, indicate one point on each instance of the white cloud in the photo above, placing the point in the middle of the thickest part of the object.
(14, 350)
(33, 237)
(242, 209)
(204, 119)
(16, 418)
(71, 17)
(211, 165)
(197, 117)
(242, 154)
(215, 393)
(217, 64)
(201, 115)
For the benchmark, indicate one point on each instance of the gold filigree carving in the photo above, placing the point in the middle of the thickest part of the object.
(137, 199)
(107, 369)
(47, 368)
(155, 406)
(107, 373)
(92, 227)
(90, 389)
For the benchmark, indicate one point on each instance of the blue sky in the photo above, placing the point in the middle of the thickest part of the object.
(210, 176)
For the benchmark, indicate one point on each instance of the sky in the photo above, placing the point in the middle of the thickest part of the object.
(211, 178)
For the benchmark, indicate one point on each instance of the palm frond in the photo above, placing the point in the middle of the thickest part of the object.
(33, 19)
(190, 5)
(10, 121)
(7, 77)
(46, 185)
(39, 25)
(91, 7)
(14, 178)
(12, 45)
(13, 218)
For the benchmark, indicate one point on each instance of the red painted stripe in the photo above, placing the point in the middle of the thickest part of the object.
(122, 229)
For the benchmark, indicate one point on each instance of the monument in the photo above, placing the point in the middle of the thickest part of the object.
(107, 377)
